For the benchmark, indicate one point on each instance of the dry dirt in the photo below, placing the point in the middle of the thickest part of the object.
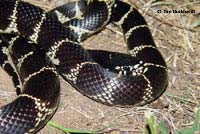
(178, 40)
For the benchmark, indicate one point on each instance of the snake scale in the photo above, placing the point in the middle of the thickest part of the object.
(43, 45)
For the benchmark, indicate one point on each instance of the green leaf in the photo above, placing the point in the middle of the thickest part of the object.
(150, 122)
(195, 129)
(68, 130)
(183, 99)
(162, 128)
(198, 24)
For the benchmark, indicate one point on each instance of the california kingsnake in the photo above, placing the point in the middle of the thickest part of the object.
(136, 78)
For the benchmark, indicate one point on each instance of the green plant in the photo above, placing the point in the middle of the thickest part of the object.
(69, 131)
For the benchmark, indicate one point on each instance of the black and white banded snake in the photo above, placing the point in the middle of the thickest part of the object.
(115, 79)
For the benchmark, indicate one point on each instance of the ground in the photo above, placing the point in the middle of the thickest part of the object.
(178, 39)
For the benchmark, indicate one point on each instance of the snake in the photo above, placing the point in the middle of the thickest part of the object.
(44, 45)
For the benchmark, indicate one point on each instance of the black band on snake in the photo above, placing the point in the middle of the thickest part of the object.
(50, 43)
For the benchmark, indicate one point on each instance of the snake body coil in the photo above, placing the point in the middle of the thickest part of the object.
(39, 99)
(136, 78)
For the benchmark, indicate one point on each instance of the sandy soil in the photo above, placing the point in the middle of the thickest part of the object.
(178, 40)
